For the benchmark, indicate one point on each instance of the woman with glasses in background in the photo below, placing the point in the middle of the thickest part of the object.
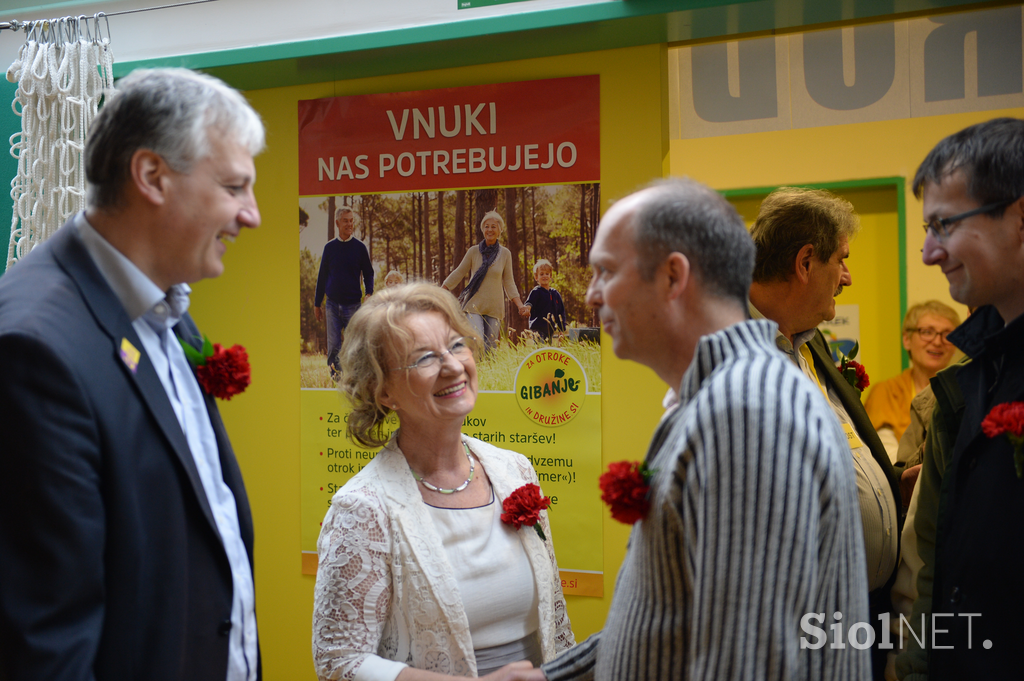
(418, 577)
(925, 327)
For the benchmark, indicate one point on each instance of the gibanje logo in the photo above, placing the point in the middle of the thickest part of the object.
(551, 387)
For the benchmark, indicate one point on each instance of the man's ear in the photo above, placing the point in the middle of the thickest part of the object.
(677, 270)
(1019, 205)
(149, 175)
(803, 263)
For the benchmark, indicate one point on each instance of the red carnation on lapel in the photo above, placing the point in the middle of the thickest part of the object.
(625, 488)
(523, 507)
(225, 373)
(854, 372)
(1008, 419)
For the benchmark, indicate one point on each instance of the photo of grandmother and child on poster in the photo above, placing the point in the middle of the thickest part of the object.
(515, 257)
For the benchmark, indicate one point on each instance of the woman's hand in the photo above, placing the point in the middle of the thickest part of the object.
(517, 671)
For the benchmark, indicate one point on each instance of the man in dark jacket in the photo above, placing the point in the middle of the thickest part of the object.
(803, 241)
(345, 260)
(972, 184)
(126, 539)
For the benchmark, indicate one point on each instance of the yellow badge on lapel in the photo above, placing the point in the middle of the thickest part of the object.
(129, 355)
(851, 436)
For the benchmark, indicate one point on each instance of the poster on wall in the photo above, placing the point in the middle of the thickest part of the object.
(843, 331)
(413, 183)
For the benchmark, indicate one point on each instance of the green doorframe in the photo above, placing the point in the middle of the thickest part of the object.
(897, 183)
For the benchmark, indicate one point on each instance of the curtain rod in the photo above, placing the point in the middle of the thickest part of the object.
(14, 25)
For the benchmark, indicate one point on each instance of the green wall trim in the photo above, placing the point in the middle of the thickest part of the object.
(901, 203)
(869, 183)
(525, 34)
(10, 124)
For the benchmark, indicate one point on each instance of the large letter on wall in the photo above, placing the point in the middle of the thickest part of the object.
(758, 91)
(874, 66)
(999, 54)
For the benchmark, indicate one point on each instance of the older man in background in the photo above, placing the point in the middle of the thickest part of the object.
(803, 241)
(344, 261)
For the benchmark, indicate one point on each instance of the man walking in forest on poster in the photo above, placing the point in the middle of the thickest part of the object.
(345, 259)
(752, 526)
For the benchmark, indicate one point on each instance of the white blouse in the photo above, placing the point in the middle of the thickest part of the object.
(493, 573)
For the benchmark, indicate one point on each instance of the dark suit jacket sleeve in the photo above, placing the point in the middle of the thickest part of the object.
(51, 510)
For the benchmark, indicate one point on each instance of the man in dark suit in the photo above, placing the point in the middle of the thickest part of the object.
(125, 533)
(803, 241)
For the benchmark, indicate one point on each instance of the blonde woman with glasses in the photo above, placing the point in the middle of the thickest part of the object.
(925, 327)
(418, 578)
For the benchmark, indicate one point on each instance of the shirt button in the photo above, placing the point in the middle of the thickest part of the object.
(160, 308)
(954, 595)
(224, 627)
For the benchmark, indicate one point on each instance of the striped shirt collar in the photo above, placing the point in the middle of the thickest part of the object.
(722, 346)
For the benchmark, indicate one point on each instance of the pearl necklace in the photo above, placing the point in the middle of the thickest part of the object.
(439, 490)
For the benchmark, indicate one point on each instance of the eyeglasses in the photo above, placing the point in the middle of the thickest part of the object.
(431, 361)
(928, 334)
(943, 227)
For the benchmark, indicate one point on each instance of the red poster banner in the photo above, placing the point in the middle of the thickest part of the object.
(510, 134)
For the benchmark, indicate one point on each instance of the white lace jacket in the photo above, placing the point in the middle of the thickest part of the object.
(385, 594)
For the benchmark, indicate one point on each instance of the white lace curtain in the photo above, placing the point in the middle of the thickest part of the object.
(62, 70)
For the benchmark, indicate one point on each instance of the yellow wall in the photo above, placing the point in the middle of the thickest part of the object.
(255, 303)
(837, 154)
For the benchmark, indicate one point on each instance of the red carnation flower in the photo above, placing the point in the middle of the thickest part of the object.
(854, 372)
(862, 381)
(1008, 418)
(225, 373)
(523, 507)
(1005, 418)
(624, 488)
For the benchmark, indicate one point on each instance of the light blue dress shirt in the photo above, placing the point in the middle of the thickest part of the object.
(153, 315)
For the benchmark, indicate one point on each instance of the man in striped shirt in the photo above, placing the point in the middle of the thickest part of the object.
(753, 538)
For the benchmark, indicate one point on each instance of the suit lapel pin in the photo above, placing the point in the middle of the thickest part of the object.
(129, 355)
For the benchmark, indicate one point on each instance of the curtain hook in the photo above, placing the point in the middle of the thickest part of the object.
(84, 23)
(99, 33)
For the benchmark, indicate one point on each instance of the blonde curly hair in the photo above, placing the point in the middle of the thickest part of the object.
(374, 340)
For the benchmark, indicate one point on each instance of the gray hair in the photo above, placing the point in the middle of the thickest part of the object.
(684, 216)
(493, 215)
(169, 112)
(345, 209)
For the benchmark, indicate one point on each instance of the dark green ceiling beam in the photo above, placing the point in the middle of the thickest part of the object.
(528, 34)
